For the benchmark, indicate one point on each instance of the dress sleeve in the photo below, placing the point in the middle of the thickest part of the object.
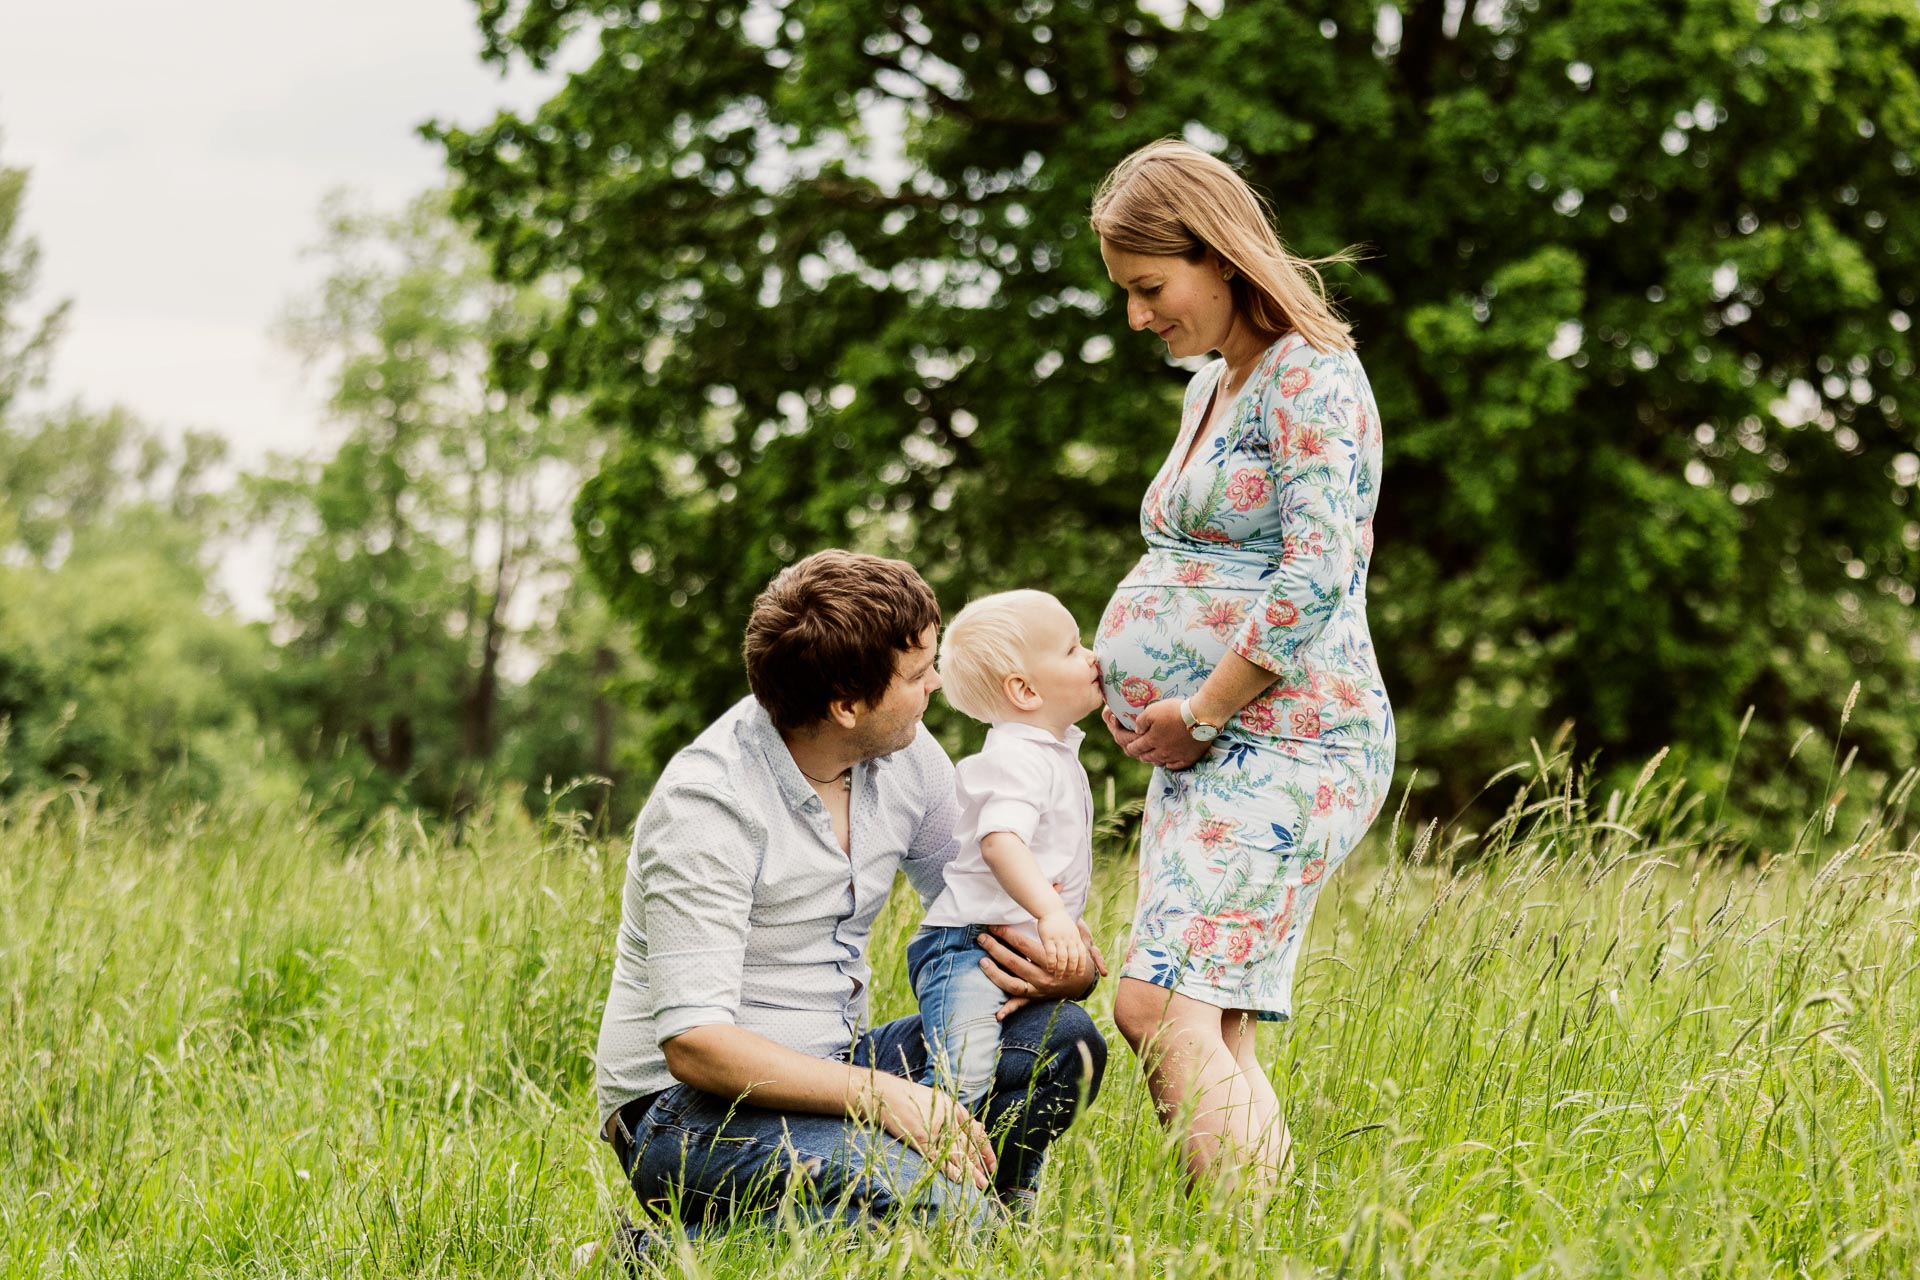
(1003, 790)
(1311, 412)
(696, 859)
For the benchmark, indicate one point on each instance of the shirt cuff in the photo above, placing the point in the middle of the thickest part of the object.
(668, 1023)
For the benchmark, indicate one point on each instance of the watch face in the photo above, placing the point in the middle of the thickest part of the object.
(1204, 733)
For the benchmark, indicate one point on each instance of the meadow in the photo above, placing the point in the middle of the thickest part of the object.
(1574, 1036)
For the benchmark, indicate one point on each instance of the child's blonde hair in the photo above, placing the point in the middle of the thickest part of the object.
(985, 643)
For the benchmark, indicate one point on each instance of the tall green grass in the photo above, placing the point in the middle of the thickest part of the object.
(1583, 1041)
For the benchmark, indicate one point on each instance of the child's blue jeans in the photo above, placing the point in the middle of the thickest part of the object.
(957, 1004)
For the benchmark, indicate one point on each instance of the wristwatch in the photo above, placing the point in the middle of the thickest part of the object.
(1200, 729)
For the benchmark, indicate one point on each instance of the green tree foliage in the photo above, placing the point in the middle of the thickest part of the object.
(569, 739)
(427, 552)
(24, 341)
(434, 634)
(116, 662)
(80, 479)
(112, 668)
(1638, 317)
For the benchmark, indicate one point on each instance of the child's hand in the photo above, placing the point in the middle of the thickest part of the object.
(1066, 949)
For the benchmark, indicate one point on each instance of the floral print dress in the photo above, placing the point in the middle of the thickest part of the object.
(1258, 544)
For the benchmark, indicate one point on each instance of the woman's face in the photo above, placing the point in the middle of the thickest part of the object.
(1186, 304)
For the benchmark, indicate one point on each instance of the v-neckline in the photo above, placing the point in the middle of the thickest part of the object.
(1187, 446)
(1202, 430)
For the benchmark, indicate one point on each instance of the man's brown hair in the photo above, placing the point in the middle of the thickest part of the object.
(827, 629)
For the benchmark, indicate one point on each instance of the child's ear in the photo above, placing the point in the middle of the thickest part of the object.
(1019, 694)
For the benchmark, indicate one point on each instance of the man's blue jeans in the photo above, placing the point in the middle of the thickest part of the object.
(706, 1159)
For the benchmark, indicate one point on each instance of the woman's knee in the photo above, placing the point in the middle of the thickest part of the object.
(1140, 1010)
(1157, 1021)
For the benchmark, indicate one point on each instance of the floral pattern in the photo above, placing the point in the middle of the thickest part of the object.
(1258, 545)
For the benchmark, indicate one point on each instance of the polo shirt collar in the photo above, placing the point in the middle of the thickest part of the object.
(1034, 733)
(793, 784)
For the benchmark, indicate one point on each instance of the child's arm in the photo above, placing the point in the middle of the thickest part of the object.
(1013, 865)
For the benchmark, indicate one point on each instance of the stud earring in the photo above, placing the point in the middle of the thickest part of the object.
(1226, 273)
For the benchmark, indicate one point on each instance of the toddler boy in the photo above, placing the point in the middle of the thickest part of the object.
(1014, 661)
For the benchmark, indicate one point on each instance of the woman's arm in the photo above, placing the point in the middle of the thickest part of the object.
(1312, 457)
(1161, 735)
(1233, 684)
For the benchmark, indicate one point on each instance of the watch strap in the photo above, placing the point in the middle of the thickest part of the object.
(1191, 720)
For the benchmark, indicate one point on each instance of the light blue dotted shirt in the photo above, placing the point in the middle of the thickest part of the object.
(740, 908)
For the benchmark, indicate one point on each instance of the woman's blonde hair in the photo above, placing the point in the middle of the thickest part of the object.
(989, 640)
(1170, 199)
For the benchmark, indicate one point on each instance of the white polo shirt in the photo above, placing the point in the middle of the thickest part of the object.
(1030, 783)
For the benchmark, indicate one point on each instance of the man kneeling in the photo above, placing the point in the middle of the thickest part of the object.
(733, 1064)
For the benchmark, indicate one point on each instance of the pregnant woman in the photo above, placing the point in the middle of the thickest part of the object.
(1235, 655)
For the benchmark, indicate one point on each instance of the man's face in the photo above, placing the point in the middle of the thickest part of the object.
(886, 726)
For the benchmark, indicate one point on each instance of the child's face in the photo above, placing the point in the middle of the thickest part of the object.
(1060, 669)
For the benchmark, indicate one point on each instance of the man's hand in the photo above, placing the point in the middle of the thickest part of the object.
(933, 1124)
(1015, 964)
(1064, 951)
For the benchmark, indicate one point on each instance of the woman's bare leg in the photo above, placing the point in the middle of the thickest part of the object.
(1183, 1048)
(1272, 1151)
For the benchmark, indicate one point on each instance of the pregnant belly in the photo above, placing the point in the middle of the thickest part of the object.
(1159, 641)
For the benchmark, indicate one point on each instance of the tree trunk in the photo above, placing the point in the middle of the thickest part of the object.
(484, 696)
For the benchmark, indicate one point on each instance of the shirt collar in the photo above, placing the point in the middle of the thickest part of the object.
(786, 772)
(793, 784)
(1004, 729)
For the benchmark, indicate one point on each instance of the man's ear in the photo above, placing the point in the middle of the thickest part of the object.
(1019, 694)
(845, 712)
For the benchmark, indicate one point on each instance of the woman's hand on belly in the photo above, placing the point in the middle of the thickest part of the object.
(1121, 734)
(1160, 736)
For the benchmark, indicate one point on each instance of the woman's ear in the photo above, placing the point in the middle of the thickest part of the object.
(1019, 694)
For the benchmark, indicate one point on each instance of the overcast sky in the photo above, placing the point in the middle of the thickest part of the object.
(178, 155)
